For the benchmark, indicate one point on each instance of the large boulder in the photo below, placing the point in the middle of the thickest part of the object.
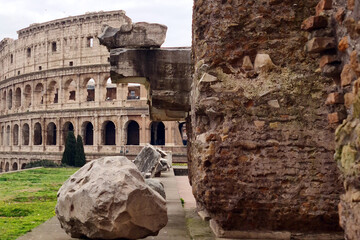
(148, 160)
(109, 199)
(136, 35)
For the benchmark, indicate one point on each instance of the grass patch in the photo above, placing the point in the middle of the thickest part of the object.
(28, 199)
(180, 164)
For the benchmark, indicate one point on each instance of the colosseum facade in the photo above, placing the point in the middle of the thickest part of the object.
(55, 78)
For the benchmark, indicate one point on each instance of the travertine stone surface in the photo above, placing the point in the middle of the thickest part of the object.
(261, 148)
(109, 199)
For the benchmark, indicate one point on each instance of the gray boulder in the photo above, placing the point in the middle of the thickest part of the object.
(157, 186)
(147, 160)
(109, 199)
(136, 35)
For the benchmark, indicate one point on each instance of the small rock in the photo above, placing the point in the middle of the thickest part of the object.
(263, 62)
(354, 62)
(274, 103)
(349, 99)
(334, 98)
(336, 117)
(343, 44)
(347, 75)
(319, 44)
(340, 14)
(314, 22)
(208, 78)
(259, 124)
(350, 4)
(323, 5)
(327, 59)
(247, 64)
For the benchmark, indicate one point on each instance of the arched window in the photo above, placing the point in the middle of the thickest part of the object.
(4, 100)
(8, 136)
(23, 166)
(16, 135)
(68, 126)
(157, 133)
(132, 133)
(9, 99)
(51, 134)
(2, 136)
(18, 97)
(53, 92)
(7, 167)
(109, 133)
(90, 88)
(39, 94)
(15, 166)
(70, 90)
(37, 134)
(1, 166)
(88, 133)
(25, 134)
(27, 96)
(110, 90)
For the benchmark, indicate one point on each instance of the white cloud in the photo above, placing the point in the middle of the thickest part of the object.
(176, 14)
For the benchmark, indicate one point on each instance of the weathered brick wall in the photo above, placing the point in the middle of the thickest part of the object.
(261, 151)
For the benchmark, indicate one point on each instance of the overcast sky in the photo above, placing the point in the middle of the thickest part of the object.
(176, 14)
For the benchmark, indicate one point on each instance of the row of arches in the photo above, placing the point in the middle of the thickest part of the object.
(6, 166)
(72, 90)
(108, 133)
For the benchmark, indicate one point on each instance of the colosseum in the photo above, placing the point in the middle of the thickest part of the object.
(55, 78)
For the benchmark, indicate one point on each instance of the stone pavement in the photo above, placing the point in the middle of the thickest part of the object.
(183, 222)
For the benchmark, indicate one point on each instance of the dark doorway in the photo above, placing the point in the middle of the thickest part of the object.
(37, 134)
(157, 133)
(51, 134)
(109, 133)
(88, 133)
(133, 133)
(15, 166)
(68, 126)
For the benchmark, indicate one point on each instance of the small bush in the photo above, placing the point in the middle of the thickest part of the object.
(80, 159)
(70, 150)
(42, 163)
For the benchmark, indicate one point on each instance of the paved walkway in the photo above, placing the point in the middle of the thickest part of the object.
(182, 221)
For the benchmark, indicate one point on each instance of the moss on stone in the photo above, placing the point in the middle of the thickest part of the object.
(348, 158)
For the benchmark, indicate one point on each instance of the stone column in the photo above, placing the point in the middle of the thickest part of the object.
(142, 130)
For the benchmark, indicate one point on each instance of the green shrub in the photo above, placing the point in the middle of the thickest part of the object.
(42, 163)
(80, 159)
(70, 150)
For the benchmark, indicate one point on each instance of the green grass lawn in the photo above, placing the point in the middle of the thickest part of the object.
(28, 199)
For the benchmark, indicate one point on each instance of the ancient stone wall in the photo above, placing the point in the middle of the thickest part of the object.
(38, 106)
(261, 146)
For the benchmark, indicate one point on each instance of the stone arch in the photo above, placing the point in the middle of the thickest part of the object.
(8, 135)
(7, 167)
(157, 130)
(89, 87)
(23, 166)
(68, 126)
(70, 90)
(110, 90)
(9, 99)
(109, 133)
(16, 135)
(25, 134)
(27, 96)
(18, 97)
(1, 166)
(39, 94)
(132, 133)
(51, 134)
(15, 166)
(88, 133)
(37, 134)
(3, 106)
(53, 92)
